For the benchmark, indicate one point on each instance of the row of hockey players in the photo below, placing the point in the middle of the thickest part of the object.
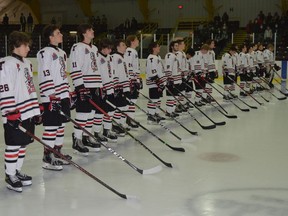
(97, 77)
(254, 65)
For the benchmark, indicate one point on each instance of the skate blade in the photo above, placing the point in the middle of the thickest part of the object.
(26, 183)
(19, 190)
(94, 149)
(81, 153)
(48, 166)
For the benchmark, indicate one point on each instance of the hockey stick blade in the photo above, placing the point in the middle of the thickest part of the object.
(180, 149)
(152, 170)
(124, 196)
(208, 127)
(220, 123)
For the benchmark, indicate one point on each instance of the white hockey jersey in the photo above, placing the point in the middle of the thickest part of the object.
(131, 56)
(211, 61)
(259, 57)
(228, 63)
(52, 65)
(200, 63)
(17, 90)
(154, 70)
(84, 68)
(251, 66)
(243, 62)
(120, 72)
(181, 57)
(268, 57)
(106, 70)
(172, 68)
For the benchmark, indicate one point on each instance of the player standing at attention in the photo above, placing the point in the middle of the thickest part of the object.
(131, 55)
(19, 106)
(54, 94)
(87, 82)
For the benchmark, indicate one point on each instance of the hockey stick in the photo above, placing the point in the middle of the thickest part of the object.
(202, 126)
(144, 172)
(251, 106)
(195, 80)
(144, 128)
(242, 109)
(286, 94)
(225, 114)
(106, 114)
(279, 98)
(245, 91)
(179, 123)
(215, 123)
(74, 164)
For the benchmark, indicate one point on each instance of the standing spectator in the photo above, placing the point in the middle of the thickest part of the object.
(225, 17)
(104, 23)
(23, 22)
(268, 34)
(134, 23)
(30, 22)
(5, 20)
(53, 21)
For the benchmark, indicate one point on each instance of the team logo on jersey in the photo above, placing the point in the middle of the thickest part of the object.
(168, 66)
(119, 61)
(29, 81)
(93, 62)
(18, 67)
(62, 69)
(54, 56)
(87, 51)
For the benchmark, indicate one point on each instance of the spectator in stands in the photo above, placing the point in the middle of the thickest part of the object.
(249, 27)
(225, 17)
(261, 16)
(268, 35)
(23, 22)
(268, 19)
(104, 22)
(134, 24)
(127, 24)
(5, 20)
(53, 21)
(30, 22)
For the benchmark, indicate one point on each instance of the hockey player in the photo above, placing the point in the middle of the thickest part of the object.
(183, 66)
(54, 93)
(212, 71)
(19, 106)
(106, 92)
(190, 53)
(155, 81)
(200, 71)
(261, 70)
(229, 73)
(131, 55)
(242, 70)
(173, 78)
(121, 85)
(251, 69)
(269, 62)
(87, 81)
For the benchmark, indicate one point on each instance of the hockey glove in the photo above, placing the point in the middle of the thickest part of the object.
(276, 67)
(73, 99)
(14, 118)
(134, 85)
(55, 103)
(161, 87)
(84, 94)
(170, 82)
